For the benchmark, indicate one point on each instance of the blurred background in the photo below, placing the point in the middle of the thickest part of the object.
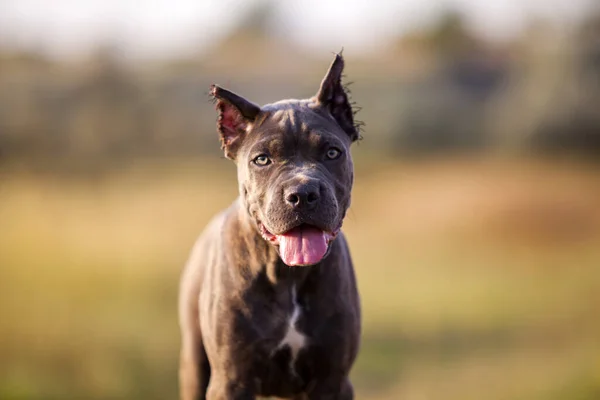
(475, 224)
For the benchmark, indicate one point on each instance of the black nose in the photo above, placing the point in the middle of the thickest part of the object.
(304, 196)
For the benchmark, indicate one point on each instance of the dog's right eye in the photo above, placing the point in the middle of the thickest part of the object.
(262, 160)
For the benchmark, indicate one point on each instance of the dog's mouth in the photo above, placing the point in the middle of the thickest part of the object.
(302, 245)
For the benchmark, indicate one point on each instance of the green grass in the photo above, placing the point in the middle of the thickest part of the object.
(479, 279)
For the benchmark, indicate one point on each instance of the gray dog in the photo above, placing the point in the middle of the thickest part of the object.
(268, 300)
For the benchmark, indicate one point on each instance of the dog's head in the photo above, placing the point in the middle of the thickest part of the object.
(294, 166)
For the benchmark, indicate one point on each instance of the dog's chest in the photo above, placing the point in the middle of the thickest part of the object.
(293, 338)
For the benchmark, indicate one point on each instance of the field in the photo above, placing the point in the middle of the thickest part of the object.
(480, 278)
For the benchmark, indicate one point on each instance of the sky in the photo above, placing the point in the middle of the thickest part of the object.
(159, 28)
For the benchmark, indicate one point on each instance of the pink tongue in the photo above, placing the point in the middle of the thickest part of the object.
(305, 245)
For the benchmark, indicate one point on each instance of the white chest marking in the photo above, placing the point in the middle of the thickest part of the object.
(293, 338)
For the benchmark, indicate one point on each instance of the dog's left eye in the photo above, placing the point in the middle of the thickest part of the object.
(333, 153)
(262, 160)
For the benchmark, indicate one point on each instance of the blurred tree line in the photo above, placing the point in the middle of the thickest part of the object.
(437, 90)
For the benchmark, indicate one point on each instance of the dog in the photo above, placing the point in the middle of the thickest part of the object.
(268, 302)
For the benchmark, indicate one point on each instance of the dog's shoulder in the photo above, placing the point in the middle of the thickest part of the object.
(212, 233)
(206, 244)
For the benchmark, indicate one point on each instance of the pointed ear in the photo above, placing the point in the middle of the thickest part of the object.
(333, 97)
(235, 116)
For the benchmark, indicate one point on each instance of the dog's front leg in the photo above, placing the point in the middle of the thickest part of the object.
(222, 388)
(332, 390)
(194, 374)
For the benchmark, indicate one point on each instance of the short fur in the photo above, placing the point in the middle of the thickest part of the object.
(240, 307)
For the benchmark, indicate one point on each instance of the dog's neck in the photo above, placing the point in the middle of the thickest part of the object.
(257, 257)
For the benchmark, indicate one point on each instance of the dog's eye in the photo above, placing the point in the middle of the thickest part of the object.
(262, 160)
(333, 153)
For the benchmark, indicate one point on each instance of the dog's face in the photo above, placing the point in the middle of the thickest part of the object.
(295, 170)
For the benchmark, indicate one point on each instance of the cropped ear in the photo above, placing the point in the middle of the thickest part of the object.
(235, 116)
(333, 96)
